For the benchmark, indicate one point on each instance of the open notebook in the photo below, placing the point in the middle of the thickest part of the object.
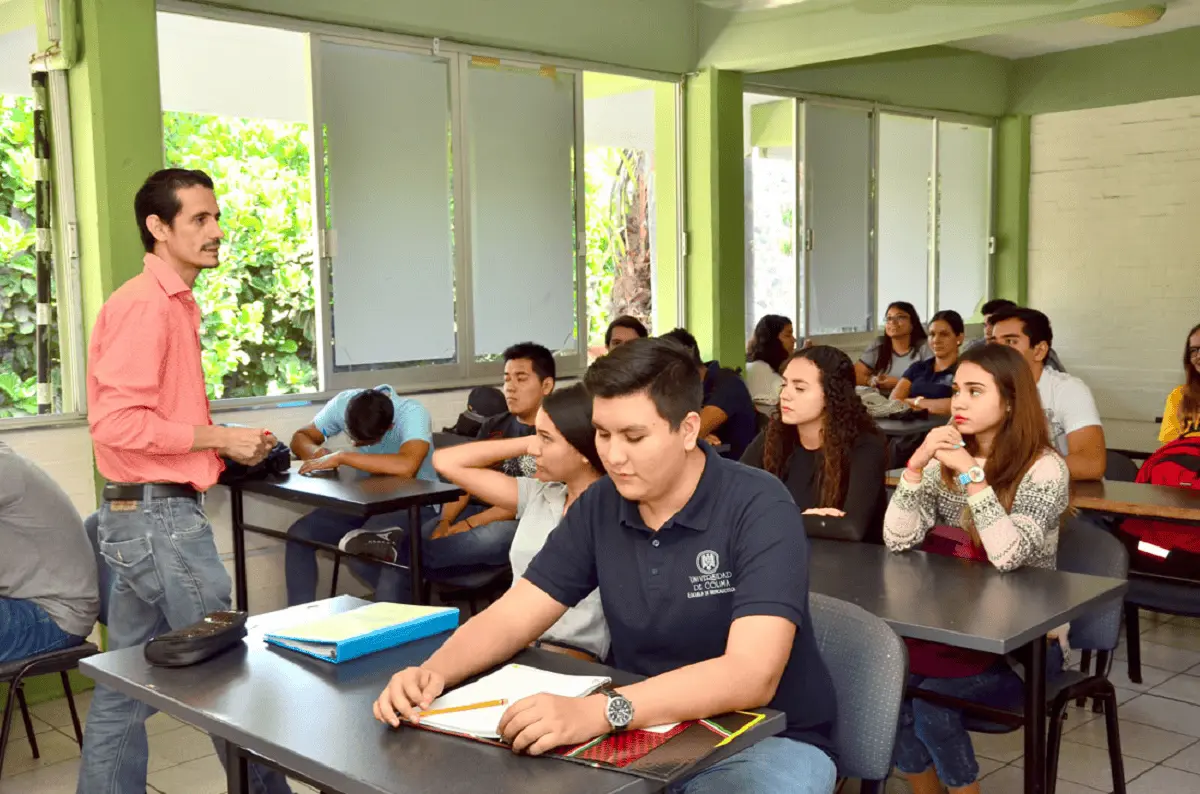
(371, 628)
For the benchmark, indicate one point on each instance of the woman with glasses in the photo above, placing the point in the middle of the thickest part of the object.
(902, 344)
(1181, 414)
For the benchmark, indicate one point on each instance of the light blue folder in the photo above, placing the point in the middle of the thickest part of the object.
(374, 627)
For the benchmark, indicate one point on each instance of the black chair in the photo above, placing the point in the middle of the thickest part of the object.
(14, 674)
(1119, 467)
(480, 586)
(1157, 596)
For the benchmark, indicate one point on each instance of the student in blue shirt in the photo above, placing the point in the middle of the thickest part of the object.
(702, 567)
(728, 415)
(391, 435)
(929, 384)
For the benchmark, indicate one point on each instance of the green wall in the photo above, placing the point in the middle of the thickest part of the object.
(1138, 70)
(1010, 266)
(934, 78)
(16, 14)
(644, 34)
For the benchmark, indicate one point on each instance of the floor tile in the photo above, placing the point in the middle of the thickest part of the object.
(1011, 780)
(1170, 715)
(202, 776)
(1180, 620)
(1164, 780)
(1165, 657)
(1182, 687)
(1151, 676)
(1187, 760)
(179, 746)
(58, 714)
(1088, 766)
(1002, 747)
(58, 778)
(1174, 635)
(53, 747)
(1139, 741)
(18, 725)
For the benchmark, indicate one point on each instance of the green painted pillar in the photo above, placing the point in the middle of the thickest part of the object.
(116, 121)
(715, 266)
(1011, 266)
(666, 210)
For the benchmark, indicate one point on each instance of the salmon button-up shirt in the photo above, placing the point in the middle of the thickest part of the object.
(145, 383)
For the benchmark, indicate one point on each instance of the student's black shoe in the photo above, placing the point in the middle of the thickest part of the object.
(369, 543)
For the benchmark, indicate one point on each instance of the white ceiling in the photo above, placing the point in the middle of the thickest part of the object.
(1078, 33)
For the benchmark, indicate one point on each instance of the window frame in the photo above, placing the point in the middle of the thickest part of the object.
(804, 198)
(465, 372)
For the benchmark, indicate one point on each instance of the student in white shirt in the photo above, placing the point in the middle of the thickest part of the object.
(1074, 422)
(564, 447)
(773, 341)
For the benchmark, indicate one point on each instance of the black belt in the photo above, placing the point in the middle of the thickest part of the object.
(145, 492)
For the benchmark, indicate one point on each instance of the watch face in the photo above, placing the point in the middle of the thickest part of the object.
(620, 712)
(976, 474)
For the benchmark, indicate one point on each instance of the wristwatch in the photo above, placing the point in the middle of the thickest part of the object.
(917, 401)
(973, 474)
(619, 711)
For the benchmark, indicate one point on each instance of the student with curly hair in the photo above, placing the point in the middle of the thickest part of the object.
(826, 448)
(773, 341)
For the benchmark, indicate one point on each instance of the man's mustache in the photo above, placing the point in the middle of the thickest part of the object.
(215, 246)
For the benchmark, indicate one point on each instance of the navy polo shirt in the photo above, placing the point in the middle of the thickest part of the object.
(930, 384)
(737, 548)
(725, 389)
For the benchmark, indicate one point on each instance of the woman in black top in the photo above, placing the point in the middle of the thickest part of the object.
(826, 448)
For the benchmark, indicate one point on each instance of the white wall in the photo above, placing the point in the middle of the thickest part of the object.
(1114, 245)
(66, 454)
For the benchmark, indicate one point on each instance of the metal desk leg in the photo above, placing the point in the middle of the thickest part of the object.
(414, 554)
(239, 549)
(1033, 656)
(237, 775)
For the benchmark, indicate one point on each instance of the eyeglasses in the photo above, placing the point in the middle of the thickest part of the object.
(896, 319)
(1193, 352)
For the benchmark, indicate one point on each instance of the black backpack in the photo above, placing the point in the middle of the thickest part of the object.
(277, 462)
(483, 403)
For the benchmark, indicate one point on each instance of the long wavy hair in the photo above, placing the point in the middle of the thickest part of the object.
(844, 421)
(917, 338)
(1189, 406)
(764, 345)
(1022, 437)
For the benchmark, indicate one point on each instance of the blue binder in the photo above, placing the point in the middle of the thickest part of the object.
(374, 627)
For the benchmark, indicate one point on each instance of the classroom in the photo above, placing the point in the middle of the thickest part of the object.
(824, 374)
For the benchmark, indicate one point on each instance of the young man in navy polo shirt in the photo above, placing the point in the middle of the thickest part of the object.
(702, 565)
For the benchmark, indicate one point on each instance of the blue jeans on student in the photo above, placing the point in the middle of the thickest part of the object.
(26, 630)
(166, 574)
(445, 558)
(330, 526)
(773, 766)
(933, 735)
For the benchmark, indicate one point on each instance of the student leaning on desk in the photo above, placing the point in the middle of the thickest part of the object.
(702, 569)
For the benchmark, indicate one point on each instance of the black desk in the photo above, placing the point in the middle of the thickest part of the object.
(313, 719)
(894, 428)
(941, 599)
(352, 492)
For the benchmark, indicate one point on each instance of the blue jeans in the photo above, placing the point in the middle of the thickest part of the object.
(773, 766)
(933, 735)
(445, 558)
(330, 526)
(26, 630)
(166, 574)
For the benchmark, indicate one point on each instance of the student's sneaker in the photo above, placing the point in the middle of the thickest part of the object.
(370, 543)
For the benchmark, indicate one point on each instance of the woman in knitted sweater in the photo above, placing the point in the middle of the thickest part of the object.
(993, 490)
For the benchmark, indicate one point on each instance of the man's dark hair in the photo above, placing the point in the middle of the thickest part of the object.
(683, 338)
(539, 357)
(995, 305)
(158, 195)
(1035, 325)
(625, 321)
(659, 367)
(369, 415)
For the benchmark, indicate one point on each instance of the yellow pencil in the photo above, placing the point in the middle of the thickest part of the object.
(489, 704)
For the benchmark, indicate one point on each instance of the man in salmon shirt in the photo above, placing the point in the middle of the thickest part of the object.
(158, 449)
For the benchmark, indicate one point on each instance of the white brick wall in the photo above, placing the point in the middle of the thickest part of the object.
(1114, 246)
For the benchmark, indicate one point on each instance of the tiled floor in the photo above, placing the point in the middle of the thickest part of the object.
(1160, 736)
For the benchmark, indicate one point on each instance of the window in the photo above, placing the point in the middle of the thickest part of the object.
(629, 198)
(245, 119)
(31, 373)
(890, 206)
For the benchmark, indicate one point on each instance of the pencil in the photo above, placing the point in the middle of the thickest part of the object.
(473, 706)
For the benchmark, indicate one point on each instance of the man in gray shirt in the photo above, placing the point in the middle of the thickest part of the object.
(48, 592)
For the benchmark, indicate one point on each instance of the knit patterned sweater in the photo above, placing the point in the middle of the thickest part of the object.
(1025, 535)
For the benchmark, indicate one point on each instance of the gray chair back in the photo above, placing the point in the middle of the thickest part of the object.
(869, 666)
(1085, 548)
(1120, 467)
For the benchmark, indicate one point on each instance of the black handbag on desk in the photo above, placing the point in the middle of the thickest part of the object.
(198, 642)
(277, 463)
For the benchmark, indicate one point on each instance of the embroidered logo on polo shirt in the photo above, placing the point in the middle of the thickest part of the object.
(711, 581)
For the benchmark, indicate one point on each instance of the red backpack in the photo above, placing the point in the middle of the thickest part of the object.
(1176, 464)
